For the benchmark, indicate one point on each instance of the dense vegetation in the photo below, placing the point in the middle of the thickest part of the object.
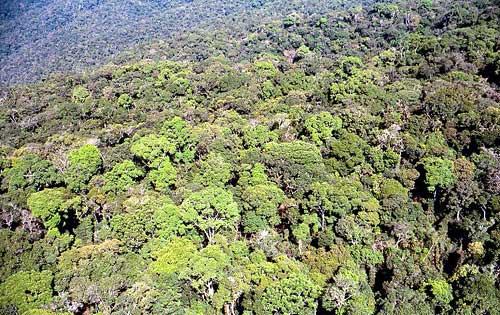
(341, 162)
(41, 37)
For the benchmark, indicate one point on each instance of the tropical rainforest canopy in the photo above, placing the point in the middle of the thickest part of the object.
(250, 157)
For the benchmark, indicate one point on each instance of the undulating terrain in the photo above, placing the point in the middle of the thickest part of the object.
(42, 37)
(250, 157)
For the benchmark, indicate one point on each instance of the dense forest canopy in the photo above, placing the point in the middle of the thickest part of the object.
(250, 157)
(38, 38)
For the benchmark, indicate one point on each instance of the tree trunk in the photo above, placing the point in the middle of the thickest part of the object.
(323, 223)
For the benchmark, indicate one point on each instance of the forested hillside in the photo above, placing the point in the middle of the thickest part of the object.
(42, 37)
(315, 158)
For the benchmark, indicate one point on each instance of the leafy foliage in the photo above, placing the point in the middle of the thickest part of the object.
(295, 294)
(121, 176)
(439, 173)
(26, 290)
(84, 163)
(210, 210)
(300, 157)
(51, 205)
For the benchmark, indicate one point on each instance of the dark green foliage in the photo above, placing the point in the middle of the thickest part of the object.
(350, 293)
(29, 174)
(144, 218)
(336, 199)
(294, 165)
(295, 294)
(261, 200)
(406, 301)
(181, 134)
(289, 157)
(348, 152)
(478, 293)
(179, 87)
(103, 268)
